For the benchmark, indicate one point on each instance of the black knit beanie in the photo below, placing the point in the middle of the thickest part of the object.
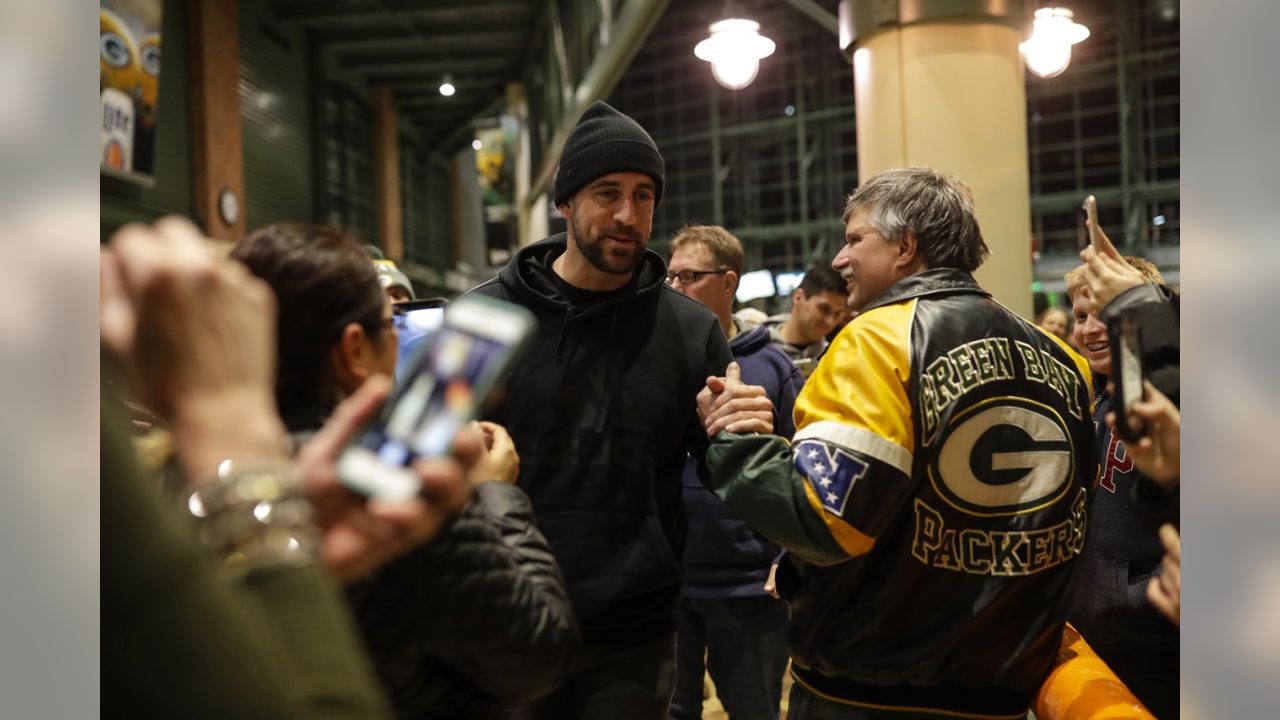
(606, 141)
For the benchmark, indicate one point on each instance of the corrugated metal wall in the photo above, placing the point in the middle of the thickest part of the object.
(275, 112)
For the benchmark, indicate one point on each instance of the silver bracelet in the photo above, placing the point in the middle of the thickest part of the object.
(255, 517)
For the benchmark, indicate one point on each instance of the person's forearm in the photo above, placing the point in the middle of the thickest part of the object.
(1144, 293)
(239, 426)
(326, 668)
(756, 477)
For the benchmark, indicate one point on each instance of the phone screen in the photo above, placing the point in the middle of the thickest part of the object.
(1130, 366)
(413, 326)
(1126, 366)
(445, 380)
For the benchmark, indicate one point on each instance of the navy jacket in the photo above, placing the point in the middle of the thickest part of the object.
(1121, 555)
(724, 557)
(1122, 551)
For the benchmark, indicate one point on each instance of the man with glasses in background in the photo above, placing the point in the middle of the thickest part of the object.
(729, 625)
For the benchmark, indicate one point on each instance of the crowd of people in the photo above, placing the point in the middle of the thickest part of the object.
(900, 489)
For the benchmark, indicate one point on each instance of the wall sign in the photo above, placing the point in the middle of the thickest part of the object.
(128, 85)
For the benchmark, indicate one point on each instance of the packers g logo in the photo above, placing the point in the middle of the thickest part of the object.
(1003, 456)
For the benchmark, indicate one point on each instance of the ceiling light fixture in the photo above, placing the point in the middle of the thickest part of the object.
(734, 50)
(1048, 51)
(446, 87)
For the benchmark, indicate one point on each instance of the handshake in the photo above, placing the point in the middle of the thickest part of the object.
(727, 404)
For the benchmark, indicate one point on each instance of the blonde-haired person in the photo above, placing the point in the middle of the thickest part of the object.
(1123, 556)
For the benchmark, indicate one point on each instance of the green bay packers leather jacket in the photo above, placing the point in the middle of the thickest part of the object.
(935, 499)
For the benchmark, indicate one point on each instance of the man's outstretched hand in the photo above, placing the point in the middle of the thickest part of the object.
(728, 404)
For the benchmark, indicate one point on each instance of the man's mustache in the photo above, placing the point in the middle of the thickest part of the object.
(623, 232)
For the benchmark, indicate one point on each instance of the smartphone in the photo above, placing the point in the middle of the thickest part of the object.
(447, 380)
(1091, 214)
(415, 321)
(1125, 336)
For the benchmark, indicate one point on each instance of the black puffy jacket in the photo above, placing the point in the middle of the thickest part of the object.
(473, 621)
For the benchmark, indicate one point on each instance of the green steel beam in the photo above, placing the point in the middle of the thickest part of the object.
(339, 12)
(751, 128)
(630, 30)
(818, 14)
(717, 172)
(802, 158)
(831, 226)
(1071, 199)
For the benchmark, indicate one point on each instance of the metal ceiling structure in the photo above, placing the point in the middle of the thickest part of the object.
(412, 45)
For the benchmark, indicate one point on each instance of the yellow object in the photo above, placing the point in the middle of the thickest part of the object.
(880, 339)
(1082, 687)
(149, 78)
(118, 61)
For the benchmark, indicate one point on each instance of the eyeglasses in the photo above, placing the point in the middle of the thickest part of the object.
(689, 277)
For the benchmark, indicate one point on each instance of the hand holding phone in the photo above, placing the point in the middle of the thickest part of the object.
(447, 381)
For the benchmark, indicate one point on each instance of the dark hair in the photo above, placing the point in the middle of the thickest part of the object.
(822, 278)
(935, 206)
(323, 280)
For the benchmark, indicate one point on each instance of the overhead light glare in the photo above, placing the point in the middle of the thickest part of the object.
(446, 88)
(734, 49)
(1048, 51)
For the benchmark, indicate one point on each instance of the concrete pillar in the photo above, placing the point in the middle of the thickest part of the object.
(946, 90)
(468, 218)
(386, 172)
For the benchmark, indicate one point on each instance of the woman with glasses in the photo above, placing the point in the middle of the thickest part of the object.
(335, 325)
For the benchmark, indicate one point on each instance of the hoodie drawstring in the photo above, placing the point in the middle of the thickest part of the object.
(564, 333)
(610, 373)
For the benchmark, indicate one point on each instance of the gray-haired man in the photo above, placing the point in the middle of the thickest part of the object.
(933, 498)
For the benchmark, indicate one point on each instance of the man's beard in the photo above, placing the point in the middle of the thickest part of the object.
(593, 249)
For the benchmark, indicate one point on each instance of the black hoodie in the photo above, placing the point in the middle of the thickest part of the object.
(603, 410)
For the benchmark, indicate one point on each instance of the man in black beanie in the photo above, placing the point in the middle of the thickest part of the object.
(603, 412)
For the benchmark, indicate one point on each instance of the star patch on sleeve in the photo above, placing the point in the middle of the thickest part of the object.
(831, 471)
